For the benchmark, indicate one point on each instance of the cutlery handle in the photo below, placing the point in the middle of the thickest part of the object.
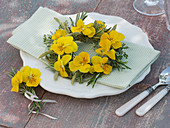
(149, 104)
(130, 104)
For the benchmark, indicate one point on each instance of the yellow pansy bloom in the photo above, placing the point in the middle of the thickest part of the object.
(100, 65)
(59, 65)
(87, 30)
(105, 49)
(64, 45)
(15, 81)
(114, 37)
(31, 76)
(79, 26)
(80, 63)
(59, 33)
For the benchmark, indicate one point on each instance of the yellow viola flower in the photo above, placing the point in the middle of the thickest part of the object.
(100, 65)
(87, 30)
(59, 65)
(79, 26)
(105, 49)
(15, 81)
(59, 33)
(31, 76)
(100, 23)
(64, 45)
(80, 63)
(34, 78)
(114, 37)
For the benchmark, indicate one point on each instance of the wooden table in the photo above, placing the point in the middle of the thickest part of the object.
(72, 112)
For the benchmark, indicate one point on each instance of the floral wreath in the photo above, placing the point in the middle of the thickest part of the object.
(63, 44)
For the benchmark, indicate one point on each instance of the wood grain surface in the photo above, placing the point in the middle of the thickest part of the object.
(81, 113)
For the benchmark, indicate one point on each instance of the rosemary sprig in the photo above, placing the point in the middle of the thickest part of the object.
(94, 79)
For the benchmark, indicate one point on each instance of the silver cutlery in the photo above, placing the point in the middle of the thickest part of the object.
(164, 78)
(154, 100)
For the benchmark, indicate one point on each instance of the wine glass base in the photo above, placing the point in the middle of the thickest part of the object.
(148, 7)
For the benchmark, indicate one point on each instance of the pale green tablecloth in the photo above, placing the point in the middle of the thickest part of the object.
(28, 37)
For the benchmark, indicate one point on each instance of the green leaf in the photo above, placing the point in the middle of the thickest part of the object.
(114, 27)
(46, 53)
(72, 23)
(63, 25)
(56, 75)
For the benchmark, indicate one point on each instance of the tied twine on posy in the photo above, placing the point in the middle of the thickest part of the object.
(35, 98)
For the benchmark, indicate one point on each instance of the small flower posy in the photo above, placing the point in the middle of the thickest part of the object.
(24, 81)
(63, 44)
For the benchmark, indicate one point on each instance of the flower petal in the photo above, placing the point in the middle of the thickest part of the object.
(104, 60)
(59, 33)
(95, 60)
(76, 29)
(85, 56)
(78, 61)
(33, 82)
(99, 51)
(111, 54)
(65, 59)
(113, 35)
(86, 31)
(63, 73)
(15, 88)
(84, 68)
(35, 72)
(105, 44)
(98, 68)
(57, 48)
(80, 23)
(57, 65)
(74, 46)
(25, 71)
(15, 81)
(93, 31)
(117, 45)
(107, 69)
(104, 36)
(120, 37)
(72, 67)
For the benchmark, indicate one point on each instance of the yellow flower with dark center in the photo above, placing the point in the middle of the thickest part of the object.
(59, 33)
(64, 45)
(60, 65)
(87, 30)
(15, 81)
(114, 37)
(80, 63)
(105, 49)
(31, 76)
(100, 65)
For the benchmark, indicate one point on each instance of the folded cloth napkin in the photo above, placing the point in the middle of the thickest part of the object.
(28, 37)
